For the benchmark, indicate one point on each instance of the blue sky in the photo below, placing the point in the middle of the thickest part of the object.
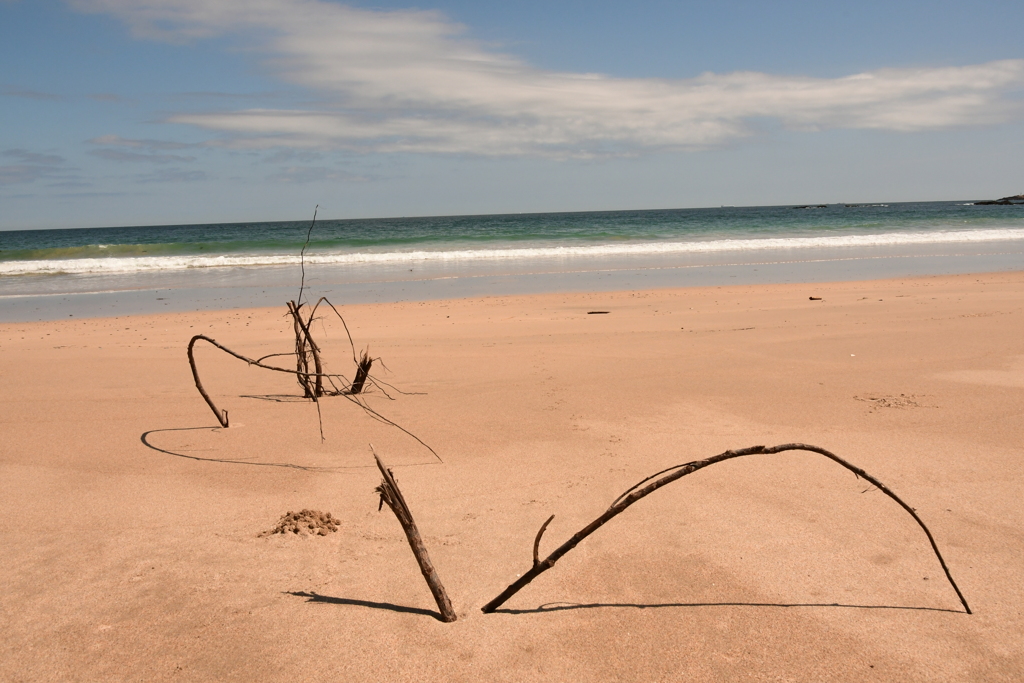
(118, 112)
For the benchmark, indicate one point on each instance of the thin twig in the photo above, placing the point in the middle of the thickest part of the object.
(302, 255)
(274, 355)
(351, 343)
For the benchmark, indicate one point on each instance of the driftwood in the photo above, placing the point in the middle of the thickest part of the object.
(309, 366)
(656, 481)
(304, 347)
(392, 496)
(222, 415)
(362, 372)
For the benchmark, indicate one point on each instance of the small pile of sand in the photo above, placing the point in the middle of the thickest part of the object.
(901, 401)
(312, 522)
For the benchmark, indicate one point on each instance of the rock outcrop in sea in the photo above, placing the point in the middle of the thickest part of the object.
(1004, 201)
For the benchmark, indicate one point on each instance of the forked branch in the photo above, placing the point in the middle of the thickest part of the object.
(656, 481)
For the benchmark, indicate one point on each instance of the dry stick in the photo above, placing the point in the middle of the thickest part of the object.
(301, 359)
(390, 494)
(251, 361)
(636, 493)
(302, 363)
(303, 326)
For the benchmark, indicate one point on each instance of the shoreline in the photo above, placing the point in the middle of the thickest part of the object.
(227, 289)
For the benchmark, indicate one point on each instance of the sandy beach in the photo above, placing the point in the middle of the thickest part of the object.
(131, 536)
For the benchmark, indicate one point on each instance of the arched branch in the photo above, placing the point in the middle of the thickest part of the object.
(222, 415)
(656, 481)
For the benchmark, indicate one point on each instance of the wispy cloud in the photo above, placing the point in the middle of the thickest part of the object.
(285, 155)
(410, 81)
(106, 97)
(308, 174)
(135, 151)
(137, 157)
(30, 166)
(146, 144)
(172, 175)
(29, 94)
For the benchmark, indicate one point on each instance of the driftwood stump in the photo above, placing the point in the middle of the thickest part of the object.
(362, 372)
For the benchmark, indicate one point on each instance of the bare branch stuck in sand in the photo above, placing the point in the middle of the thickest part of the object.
(362, 372)
(307, 351)
(653, 483)
(222, 415)
(392, 496)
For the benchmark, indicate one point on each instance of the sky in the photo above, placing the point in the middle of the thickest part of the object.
(157, 112)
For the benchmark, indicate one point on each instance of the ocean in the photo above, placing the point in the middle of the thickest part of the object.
(111, 271)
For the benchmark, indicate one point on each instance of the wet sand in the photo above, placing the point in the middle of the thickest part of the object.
(131, 536)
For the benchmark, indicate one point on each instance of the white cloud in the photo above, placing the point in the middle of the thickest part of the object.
(409, 81)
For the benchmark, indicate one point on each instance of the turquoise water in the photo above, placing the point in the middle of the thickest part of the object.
(456, 255)
(409, 241)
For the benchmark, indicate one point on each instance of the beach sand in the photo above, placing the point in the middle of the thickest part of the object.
(131, 545)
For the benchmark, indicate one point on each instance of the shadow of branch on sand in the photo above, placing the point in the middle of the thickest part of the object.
(316, 597)
(276, 398)
(563, 606)
(145, 438)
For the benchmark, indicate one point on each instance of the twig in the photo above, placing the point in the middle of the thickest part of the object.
(351, 343)
(302, 255)
(392, 496)
(536, 541)
(640, 490)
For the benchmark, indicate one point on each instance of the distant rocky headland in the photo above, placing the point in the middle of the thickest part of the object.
(1017, 199)
(1005, 201)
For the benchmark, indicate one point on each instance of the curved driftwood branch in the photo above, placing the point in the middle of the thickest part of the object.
(648, 486)
(222, 415)
(392, 496)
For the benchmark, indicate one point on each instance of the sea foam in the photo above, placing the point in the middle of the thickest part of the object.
(518, 252)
